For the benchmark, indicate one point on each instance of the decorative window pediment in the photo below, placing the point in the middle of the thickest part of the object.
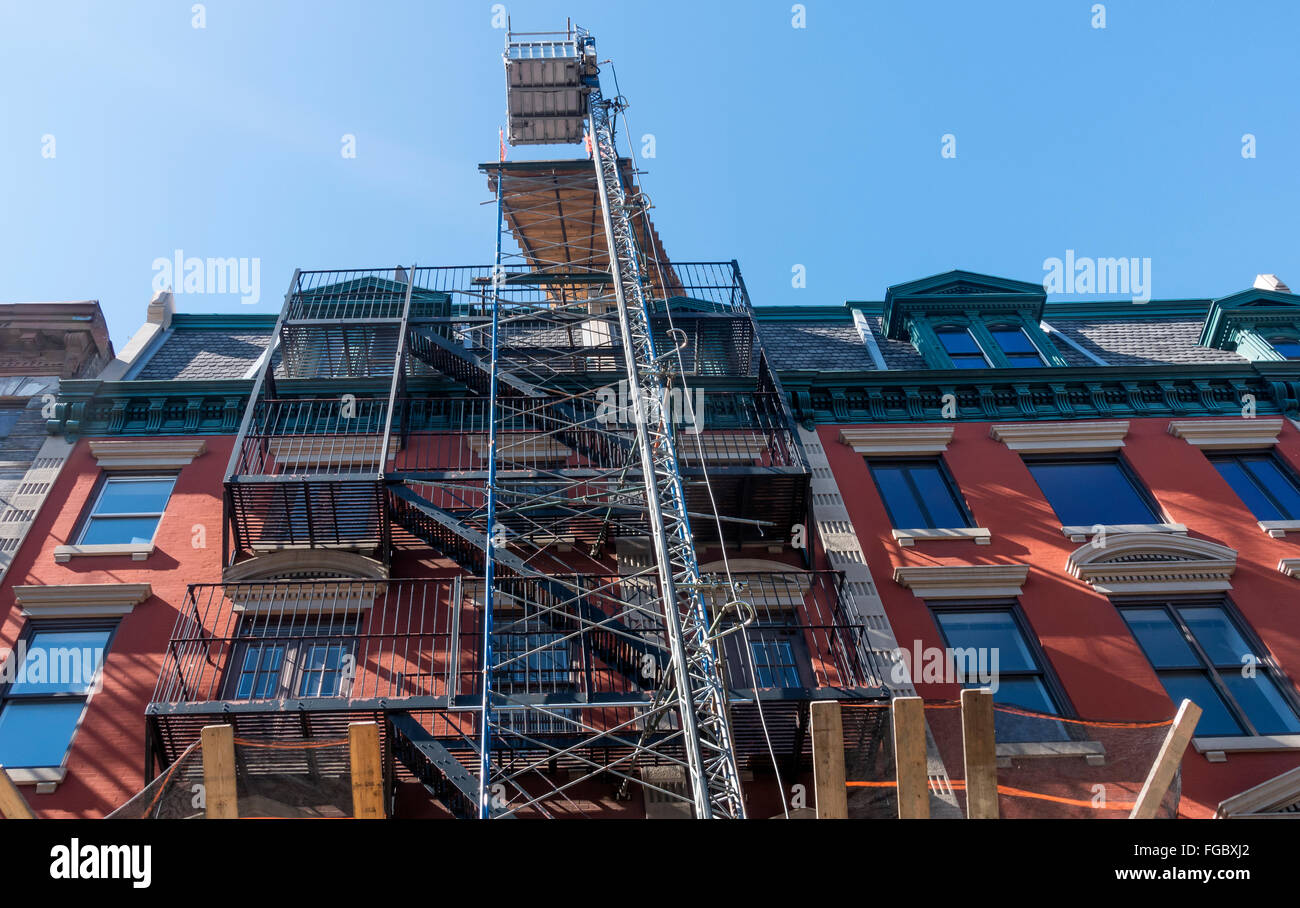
(1215, 434)
(1062, 437)
(1259, 324)
(963, 581)
(146, 453)
(81, 600)
(1153, 563)
(897, 440)
(964, 320)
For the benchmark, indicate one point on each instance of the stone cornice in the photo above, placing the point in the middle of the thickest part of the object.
(897, 439)
(1061, 437)
(81, 600)
(963, 581)
(146, 453)
(1216, 434)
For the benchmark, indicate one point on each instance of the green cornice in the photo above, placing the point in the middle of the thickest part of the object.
(1229, 316)
(224, 321)
(954, 293)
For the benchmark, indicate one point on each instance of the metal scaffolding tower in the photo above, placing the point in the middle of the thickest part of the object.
(526, 426)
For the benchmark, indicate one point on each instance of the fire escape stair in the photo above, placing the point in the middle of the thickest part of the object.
(435, 767)
(616, 644)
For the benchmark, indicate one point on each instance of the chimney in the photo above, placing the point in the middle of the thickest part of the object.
(161, 308)
(1271, 282)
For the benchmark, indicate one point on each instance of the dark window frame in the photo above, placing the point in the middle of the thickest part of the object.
(1007, 354)
(1274, 340)
(60, 625)
(1126, 470)
(954, 358)
(294, 646)
(1285, 469)
(1266, 663)
(950, 484)
(1046, 671)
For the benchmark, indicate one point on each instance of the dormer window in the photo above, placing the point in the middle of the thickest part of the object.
(1016, 346)
(1286, 347)
(961, 348)
(961, 320)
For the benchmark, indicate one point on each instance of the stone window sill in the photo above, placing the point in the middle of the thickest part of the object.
(1092, 751)
(45, 778)
(910, 537)
(1216, 750)
(140, 552)
(1279, 528)
(1081, 533)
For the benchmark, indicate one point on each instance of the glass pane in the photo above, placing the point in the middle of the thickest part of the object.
(1288, 349)
(957, 340)
(1194, 686)
(1024, 359)
(119, 530)
(37, 734)
(904, 511)
(1263, 703)
(134, 496)
(1160, 638)
(1084, 494)
(1278, 484)
(1013, 340)
(1031, 694)
(774, 663)
(259, 676)
(1216, 635)
(1249, 493)
(970, 362)
(60, 662)
(937, 497)
(993, 633)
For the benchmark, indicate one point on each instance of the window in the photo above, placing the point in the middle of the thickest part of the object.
(41, 708)
(779, 654)
(1286, 347)
(1091, 491)
(1016, 346)
(961, 348)
(999, 633)
(292, 656)
(127, 510)
(1201, 653)
(1266, 486)
(532, 659)
(919, 494)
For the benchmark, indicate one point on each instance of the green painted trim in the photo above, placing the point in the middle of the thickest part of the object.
(223, 321)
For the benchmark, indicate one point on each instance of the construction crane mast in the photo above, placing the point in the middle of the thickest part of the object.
(552, 80)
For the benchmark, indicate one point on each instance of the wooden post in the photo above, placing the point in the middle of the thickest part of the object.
(219, 795)
(1167, 762)
(981, 754)
(13, 806)
(909, 759)
(367, 771)
(828, 761)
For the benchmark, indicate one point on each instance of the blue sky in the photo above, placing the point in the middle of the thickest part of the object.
(775, 145)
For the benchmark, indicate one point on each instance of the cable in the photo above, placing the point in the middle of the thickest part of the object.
(695, 420)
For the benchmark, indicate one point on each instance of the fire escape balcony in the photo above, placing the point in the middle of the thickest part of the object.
(295, 657)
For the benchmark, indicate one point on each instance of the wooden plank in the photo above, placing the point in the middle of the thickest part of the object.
(909, 759)
(13, 806)
(828, 761)
(979, 748)
(367, 771)
(219, 795)
(1167, 762)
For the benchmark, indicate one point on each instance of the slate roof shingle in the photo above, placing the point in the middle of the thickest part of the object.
(196, 354)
